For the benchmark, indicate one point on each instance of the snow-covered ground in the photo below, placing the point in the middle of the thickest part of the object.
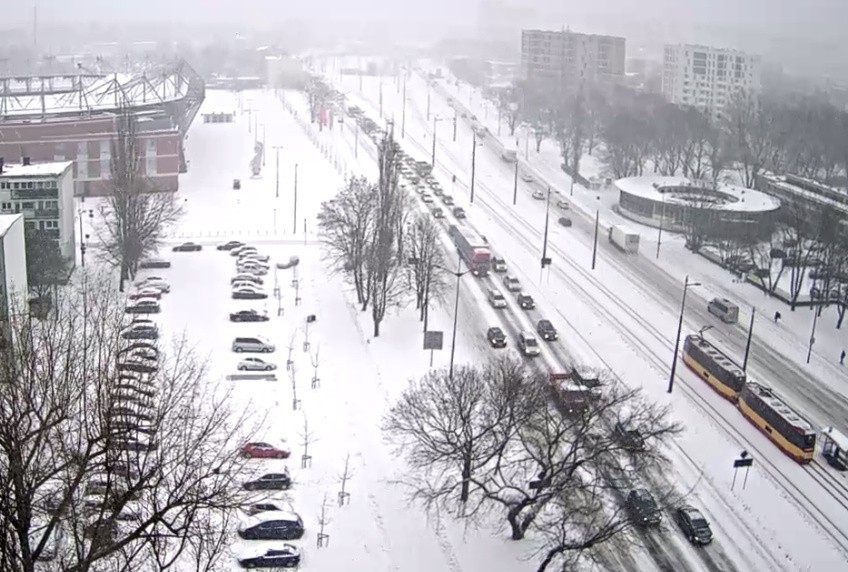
(604, 313)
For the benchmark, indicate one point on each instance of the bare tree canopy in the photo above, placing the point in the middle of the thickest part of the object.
(426, 275)
(123, 461)
(136, 216)
(492, 441)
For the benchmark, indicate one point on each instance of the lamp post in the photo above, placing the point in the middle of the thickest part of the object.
(294, 213)
(83, 237)
(662, 222)
(686, 285)
(748, 342)
(428, 99)
(473, 165)
(459, 274)
(277, 185)
(454, 125)
(515, 184)
(403, 111)
(436, 120)
(545, 260)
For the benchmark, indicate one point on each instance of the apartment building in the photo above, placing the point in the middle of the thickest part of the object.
(44, 194)
(13, 272)
(708, 78)
(570, 58)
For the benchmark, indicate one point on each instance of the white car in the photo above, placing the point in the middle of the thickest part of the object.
(242, 250)
(527, 177)
(254, 256)
(245, 285)
(245, 277)
(538, 195)
(426, 198)
(253, 269)
(255, 364)
(563, 204)
(511, 283)
(155, 283)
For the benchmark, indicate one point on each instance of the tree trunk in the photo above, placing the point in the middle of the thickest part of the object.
(840, 312)
(516, 528)
(466, 480)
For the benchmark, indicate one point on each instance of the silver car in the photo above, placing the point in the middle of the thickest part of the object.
(255, 364)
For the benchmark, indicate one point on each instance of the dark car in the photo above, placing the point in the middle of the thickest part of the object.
(546, 330)
(270, 481)
(447, 200)
(496, 337)
(187, 247)
(248, 316)
(459, 212)
(154, 263)
(248, 294)
(630, 438)
(230, 245)
(236, 184)
(564, 221)
(498, 264)
(694, 525)
(140, 332)
(525, 301)
(272, 525)
(261, 556)
(642, 508)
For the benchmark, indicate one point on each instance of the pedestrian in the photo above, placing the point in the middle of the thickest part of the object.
(842, 358)
(777, 317)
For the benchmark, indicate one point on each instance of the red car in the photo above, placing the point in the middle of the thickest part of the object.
(264, 451)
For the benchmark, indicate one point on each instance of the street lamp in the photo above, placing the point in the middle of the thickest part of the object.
(686, 285)
(436, 120)
(459, 274)
(473, 164)
(403, 111)
(662, 222)
(277, 149)
(545, 260)
(748, 341)
(83, 237)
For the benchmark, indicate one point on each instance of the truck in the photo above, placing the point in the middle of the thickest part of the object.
(509, 155)
(624, 238)
(473, 249)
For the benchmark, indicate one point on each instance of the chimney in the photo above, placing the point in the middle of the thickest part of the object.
(25, 161)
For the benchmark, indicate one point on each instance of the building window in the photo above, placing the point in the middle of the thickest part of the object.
(105, 156)
(6, 206)
(150, 156)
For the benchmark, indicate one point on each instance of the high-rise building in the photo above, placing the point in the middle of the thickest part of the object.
(570, 58)
(708, 78)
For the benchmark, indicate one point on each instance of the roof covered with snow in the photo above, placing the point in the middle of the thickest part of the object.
(51, 169)
(6, 222)
(683, 191)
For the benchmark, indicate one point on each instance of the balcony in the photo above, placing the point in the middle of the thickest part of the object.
(27, 194)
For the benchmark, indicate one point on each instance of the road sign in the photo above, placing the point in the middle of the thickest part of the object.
(433, 340)
(738, 463)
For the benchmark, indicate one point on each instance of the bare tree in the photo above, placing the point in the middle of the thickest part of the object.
(426, 274)
(751, 124)
(346, 227)
(383, 264)
(136, 216)
(314, 359)
(449, 426)
(510, 106)
(293, 379)
(323, 538)
(345, 477)
(307, 438)
(82, 450)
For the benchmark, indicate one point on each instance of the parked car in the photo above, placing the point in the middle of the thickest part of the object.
(563, 204)
(140, 348)
(236, 184)
(145, 389)
(230, 245)
(458, 212)
(272, 525)
(426, 198)
(546, 330)
(245, 293)
(248, 316)
(527, 177)
(255, 364)
(447, 200)
(694, 525)
(253, 256)
(525, 301)
(140, 332)
(153, 282)
(137, 366)
(143, 307)
(252, 267)
(264, 556)
(238, 250)
(498, 264)
(136, 444)
(270, 481)
(528, 345)
(564, 221)
(148, 263)
(267, 505)
(630, 438)
(511, 283)
(642, 508)
(538, 195)
(153, 293)
(253, 345)
(187, 247)
(261, 450)
(496, 337)
(247, 277)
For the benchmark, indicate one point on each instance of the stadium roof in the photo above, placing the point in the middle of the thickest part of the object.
(27, 97)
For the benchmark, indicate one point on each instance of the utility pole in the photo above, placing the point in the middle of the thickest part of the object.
(433, 154)
(381, 97)
(595, 245)
(277, 186)
(454, 125)
(686, 285)
(473, 165)
(294, 213)
(748, 342)
(545, 260)
(356, 142)
(403, 111)
(428, 100)
(515, 185)
(659, 232)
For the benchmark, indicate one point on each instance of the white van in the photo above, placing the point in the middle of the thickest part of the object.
(724, 310)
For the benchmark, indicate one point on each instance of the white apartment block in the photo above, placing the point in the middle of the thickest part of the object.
(44, 194)
(13, 272)
(570, 58)
(707, 78)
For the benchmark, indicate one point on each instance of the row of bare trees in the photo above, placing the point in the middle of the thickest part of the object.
(374, 239)
(489, 442)
(171, 505)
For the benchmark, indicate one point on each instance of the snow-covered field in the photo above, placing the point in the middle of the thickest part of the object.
(605, 314)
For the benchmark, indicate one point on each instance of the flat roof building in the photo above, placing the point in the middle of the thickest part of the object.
(13, 273)
(804, 197)
(570, 58)
(708, 78)
(43, 193)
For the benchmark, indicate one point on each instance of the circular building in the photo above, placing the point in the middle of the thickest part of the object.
(700, 209)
